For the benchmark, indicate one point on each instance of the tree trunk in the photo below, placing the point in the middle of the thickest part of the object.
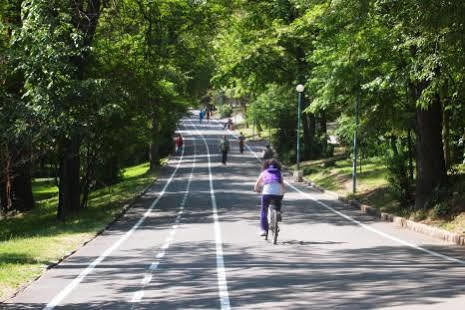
(393, 142)
(410, 154)
(309, 126)
(324, 131)
(69, 187)
(5, 183)
(21, 186)
(431, 169)
(446, 137)
(154, 145)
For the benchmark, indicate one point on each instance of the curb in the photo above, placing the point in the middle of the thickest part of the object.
(129, 203)
(435, 232)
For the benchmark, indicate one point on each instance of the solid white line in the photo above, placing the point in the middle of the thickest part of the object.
(220, 269)
(373, 230)
(71, 286)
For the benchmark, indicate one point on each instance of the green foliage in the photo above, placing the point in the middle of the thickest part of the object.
(399, 181)
(275, 108)
(30, 242)
(225, 110)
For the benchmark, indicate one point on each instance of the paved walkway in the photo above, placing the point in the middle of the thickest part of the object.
(192, 243)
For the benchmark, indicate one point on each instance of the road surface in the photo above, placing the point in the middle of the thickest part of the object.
(191, 242)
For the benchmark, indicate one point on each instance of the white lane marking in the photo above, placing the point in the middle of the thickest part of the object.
(137, 296)
(373, 230)
(220, 269)
(71, 286)
(147, 278)
(154, 266)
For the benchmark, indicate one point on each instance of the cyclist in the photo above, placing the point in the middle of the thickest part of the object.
(273, 190)
(241, 142)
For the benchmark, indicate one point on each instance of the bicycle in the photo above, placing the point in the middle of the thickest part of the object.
(273, 220)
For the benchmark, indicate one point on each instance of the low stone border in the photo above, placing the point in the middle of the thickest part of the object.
(424, 229)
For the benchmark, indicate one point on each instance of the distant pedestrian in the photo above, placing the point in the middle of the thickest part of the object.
(241, 142)
(224, 149)
(179, 142)
(207, 112)
(267, 153)
(228, 124)
(201, 114)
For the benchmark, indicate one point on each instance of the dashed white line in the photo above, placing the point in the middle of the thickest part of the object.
(138, 296)
(154, 266)
(73, 284)
(147, 278)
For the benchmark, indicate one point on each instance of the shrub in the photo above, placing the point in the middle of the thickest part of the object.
(399, 181)
(225, 110)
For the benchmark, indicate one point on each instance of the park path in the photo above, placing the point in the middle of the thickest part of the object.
(191, 242)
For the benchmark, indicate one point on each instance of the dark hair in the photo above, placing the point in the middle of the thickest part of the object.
(271, 162)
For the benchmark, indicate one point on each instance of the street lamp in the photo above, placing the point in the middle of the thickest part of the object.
(298, 174)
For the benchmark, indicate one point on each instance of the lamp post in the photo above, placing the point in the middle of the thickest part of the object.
(298, 174)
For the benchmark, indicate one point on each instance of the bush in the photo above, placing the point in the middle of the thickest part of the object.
(398, 178)
(441, 210)
(225, 110)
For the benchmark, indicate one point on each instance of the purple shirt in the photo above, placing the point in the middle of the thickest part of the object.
(271, 175)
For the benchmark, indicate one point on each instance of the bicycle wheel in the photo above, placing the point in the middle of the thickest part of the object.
(268, 219)
(274, 224)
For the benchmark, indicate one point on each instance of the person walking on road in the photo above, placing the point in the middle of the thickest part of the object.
(179, 142)
(228, 124)
(267, 153)
(224, 149)
(241, 142)
(273, 189)
(201, 114)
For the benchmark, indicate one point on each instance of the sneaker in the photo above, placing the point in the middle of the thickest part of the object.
(262, 233)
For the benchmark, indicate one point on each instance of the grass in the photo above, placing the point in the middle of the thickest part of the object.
(30, 242)
(251, 133)
(335, 174)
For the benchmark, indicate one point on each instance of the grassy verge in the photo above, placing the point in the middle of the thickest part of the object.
(29, 242)
(373, 189)
(251, 133)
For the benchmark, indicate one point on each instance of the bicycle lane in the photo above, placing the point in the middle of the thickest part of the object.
(328, 256)
(109, 270)
(189, 278)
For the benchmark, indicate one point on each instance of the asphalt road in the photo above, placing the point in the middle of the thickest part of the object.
(191, 242)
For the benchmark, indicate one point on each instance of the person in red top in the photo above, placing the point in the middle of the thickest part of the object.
(179, 142)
